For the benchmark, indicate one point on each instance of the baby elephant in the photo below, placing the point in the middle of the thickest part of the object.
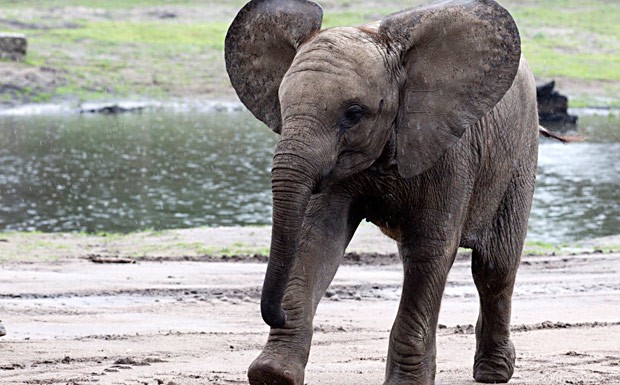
(424, 124)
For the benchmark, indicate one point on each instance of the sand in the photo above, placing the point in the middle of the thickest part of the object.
(169, 321)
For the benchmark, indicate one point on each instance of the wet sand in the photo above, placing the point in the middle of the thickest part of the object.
(168, 321)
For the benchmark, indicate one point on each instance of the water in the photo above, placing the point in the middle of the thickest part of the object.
(129, 172)
(167, 169)
(578, 189)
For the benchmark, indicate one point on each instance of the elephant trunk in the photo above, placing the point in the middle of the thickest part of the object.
(292, 184)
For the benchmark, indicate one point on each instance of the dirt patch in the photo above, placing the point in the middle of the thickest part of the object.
(349, 259)
(20, 83)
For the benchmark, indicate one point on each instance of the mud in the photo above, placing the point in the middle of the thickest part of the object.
(349, 259)
(171, 321)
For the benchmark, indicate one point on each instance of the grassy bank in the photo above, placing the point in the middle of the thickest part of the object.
(215, 242)
(40, 247)
(85, 49)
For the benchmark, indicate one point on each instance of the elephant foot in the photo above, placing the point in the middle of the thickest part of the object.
(266, 370)
(397, 380)
(407, 382)
(407, 378)
(496, 366)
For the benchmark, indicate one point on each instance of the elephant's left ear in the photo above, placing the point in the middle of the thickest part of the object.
(460, 58)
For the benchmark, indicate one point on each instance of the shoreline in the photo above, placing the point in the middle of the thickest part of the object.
(138, 105)
(234, 244)
(204, 105)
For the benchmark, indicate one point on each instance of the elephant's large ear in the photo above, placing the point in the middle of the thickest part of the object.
(460, 58)
(260, 46)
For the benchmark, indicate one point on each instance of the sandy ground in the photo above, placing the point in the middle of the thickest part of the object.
(192, 322)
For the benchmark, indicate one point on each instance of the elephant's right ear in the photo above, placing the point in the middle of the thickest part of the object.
(260, 46)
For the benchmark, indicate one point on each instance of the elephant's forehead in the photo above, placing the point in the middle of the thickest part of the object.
(339, 62)
(345, 48)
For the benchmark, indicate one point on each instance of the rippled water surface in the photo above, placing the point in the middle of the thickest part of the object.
(128, 172)
(578, 189)
(166, 169)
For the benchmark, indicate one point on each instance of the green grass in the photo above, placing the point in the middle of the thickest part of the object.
(38, 246)
(103, 4)
(571, 39)
(235, 249)
(35, 246)
(351, 18)
(561, 38)
(542, 248)
(113, 54)
(567, 39)
(168, 37)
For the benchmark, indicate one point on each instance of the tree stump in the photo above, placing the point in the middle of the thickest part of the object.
(553, 109)
(13, 46)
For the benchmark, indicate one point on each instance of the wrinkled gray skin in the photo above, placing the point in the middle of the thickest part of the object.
(424, 124)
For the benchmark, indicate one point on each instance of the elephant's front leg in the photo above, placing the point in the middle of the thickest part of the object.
(326, 232)
(411, 355)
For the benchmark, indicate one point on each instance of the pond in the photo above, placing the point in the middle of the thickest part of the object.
(174, 169)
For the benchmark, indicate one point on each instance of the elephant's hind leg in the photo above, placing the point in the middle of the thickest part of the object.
(326, 232)
(494, 268)
(495, 353)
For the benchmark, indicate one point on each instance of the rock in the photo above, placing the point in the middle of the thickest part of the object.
(163, 14)
(547, 325)
(553, 109)
(13, 46)
(464, 329)
(109, 109)
(2, 330)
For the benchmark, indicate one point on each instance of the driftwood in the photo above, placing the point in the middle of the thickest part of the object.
(110, 109)
(13, 46)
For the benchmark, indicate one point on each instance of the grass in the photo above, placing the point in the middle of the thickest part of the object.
(36, 246)
(572, 39)
(101, 57)
(542, 248)
(169, 38)
(103, 4)
(126, 59)
(561, 38)
(44, 247)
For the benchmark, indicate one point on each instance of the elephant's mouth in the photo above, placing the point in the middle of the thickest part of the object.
(349, 163)
(323, 183)
(326, 181)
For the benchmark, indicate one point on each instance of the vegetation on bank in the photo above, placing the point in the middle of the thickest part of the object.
(34, 246)
(181, 244)
(173, 48)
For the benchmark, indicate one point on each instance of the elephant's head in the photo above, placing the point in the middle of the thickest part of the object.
(336, 97)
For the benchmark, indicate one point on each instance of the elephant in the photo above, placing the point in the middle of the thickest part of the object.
(425, 124)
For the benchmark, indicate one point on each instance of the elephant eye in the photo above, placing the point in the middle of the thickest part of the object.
(352, 116)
